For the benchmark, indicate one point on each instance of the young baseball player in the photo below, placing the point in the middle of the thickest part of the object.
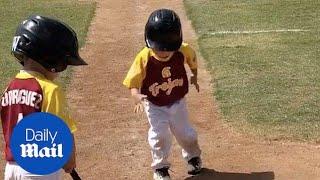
(158, 80)
(44, 47)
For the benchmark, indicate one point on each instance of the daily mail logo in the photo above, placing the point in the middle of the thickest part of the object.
(41, 143)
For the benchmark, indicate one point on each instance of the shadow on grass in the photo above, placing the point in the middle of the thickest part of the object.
(210, 174)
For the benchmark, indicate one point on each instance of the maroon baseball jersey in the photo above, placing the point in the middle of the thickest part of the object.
(22, 97)
(27, 93)
(165, 82)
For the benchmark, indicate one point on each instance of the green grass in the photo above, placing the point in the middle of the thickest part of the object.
(266, 84)
(77, 14)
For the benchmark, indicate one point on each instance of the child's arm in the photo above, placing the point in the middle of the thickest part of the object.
(55, 103)
(134, 78)
(71, 164)
(191, 60)
(138, 98)
(194, 79)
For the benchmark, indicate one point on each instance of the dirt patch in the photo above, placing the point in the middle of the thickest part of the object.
(112, 141)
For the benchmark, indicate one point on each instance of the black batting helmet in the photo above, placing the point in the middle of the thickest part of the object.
(50, 42)
(163, 30)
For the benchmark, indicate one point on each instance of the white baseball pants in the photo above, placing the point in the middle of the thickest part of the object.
(14, 172)
(167, 120)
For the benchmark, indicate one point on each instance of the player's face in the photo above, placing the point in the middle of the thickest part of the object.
(163, 55)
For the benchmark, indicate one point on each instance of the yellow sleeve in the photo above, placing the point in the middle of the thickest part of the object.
(190, 55)
(54, 102)
(137, 71)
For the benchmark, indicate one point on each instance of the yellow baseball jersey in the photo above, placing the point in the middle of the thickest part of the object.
(163, 82)
(27, 93)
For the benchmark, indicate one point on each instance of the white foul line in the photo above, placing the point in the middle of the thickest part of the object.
(257, 32)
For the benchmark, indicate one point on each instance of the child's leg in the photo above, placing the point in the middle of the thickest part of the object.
(183, 131)
(15, 172)
(159, 136)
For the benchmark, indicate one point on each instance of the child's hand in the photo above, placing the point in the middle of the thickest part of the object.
(71, 164)
(138, 108)
(194, 81)
(137, 98)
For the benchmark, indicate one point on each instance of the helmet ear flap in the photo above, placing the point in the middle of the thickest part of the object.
(19, 56)
(60, 65)
(56, 66)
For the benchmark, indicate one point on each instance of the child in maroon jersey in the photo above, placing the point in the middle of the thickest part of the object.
(44, 47)
(158, 80)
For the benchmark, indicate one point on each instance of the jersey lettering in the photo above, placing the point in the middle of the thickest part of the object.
(23, 97)
(165, 86)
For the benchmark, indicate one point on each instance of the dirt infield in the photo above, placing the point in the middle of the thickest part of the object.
(112, 141)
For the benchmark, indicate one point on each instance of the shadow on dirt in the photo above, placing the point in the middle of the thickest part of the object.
(210, 174)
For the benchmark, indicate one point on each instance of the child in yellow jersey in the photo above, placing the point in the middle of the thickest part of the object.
(44, 47)
(158, 83)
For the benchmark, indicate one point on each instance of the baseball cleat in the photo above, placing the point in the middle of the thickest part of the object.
(161, 174)
(194, 166)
